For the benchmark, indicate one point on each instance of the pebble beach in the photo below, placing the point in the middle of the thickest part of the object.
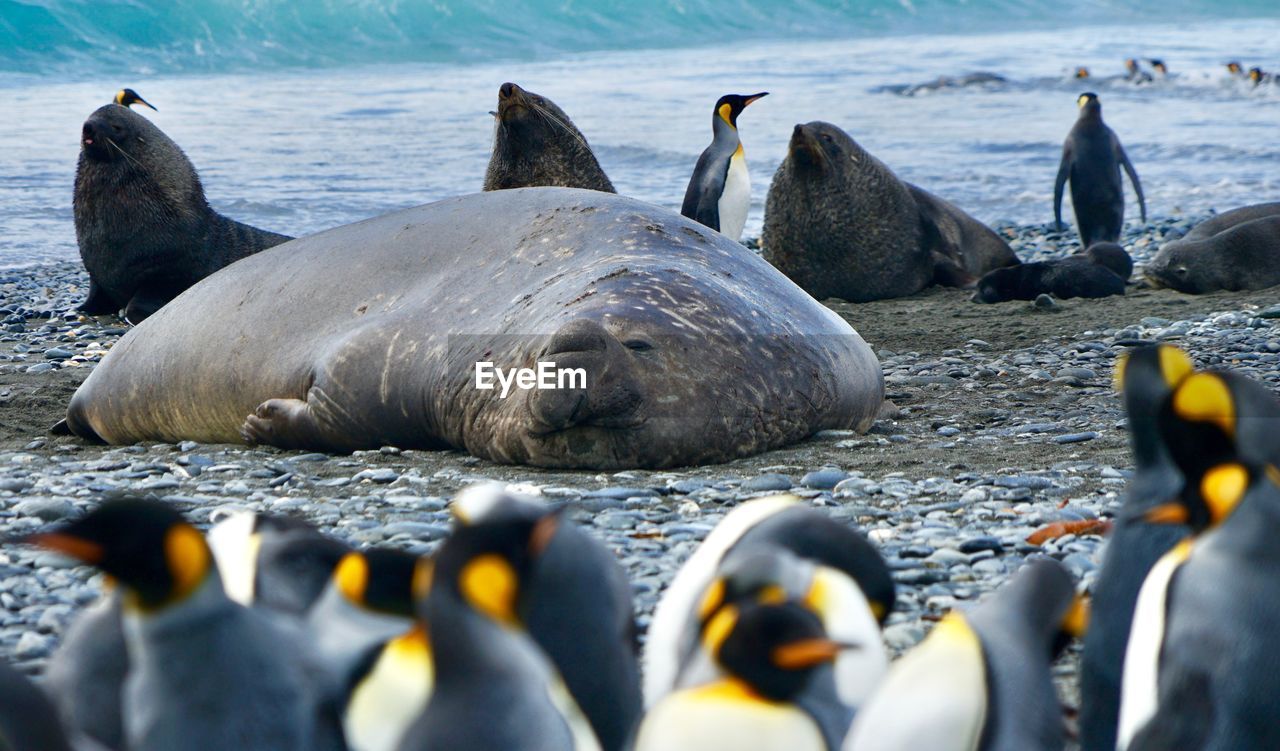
(1003, 421)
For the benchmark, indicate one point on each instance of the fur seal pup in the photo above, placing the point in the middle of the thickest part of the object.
(840, 223)
(1237, 250)
(535, 143)
(145, 230)
(1100, 271)
(667, 343)
(1091, 159)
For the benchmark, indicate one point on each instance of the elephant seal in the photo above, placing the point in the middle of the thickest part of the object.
(1091, 159)
(1237, 250)
(1100, 271)
(144, 228)
(694, 350)
(840, 223)
(535, 143)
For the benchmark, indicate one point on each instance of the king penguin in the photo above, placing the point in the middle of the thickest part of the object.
(1220, 428)
(196, 658)
(1091, 159)
(85, 675)
(719, 192)
(777, 692)
(129, 97)
(494, 688)
(981, 680)
(1146, 377)
(575, 573)
(777, 544)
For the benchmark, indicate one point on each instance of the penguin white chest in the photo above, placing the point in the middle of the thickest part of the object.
(735, 199)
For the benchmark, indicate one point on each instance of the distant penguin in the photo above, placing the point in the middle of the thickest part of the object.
(1258, 77)
(777, 693)
(279, 562)
(129, 97)
(775, 544)
(1235, 70)
(1219, 428)
(1081, 72)
(494, 689)
(980, 681)
(1146, 377)
(1134, 73)
(196, 657)
(575, 573)
(1091, 159)
(719, 192)
(1158, 67)
(28, 720)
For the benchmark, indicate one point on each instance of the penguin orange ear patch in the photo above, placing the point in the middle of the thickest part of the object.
(712, 600)
(489, 583)
(1222, 488)
(1205, 397)
(188, 557)
(1174, 365)
(351, 576)
(719, 628)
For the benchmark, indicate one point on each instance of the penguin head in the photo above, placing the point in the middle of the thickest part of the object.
(761, 574)
(1255, 74)
(1158, 66)
(1234, 68)
(1089, 104)
(378, 579)
(1131, 65)
(773, 648)
(729, 106)
(145, 545)
(1146, 376)
(129, 97)
(1082, 72)
(484, 566)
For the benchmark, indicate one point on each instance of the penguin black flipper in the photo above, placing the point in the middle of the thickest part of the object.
(1133, 178)
(1059, 183)
(702, 197)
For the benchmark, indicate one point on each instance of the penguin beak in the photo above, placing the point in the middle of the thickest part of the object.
(1166, 513)
(808, 653)
(754, 97)
(80, 549)
(145, 103)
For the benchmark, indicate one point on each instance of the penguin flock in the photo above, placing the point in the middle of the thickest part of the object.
(518, 631)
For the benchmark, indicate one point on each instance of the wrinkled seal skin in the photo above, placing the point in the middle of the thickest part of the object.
(840, 223)
(144, 228)
(1237, 250)
(696, 350)
(535, 143)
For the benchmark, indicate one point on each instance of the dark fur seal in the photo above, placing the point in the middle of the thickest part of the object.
(1091, 159)
(144, 228)
(535, 143)
(1100, 271)
(840, 223)
(1236, 250)
(694, 349)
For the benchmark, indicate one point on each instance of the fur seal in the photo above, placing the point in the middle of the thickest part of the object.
(1091, 159)
(1237, 250)
(840, 223)
(694, 350)
(535, 143)
(1099, 271)
(145, 230)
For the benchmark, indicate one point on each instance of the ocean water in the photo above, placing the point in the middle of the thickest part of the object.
(306, 115)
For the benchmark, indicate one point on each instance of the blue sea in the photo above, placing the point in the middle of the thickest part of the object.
(306, 114)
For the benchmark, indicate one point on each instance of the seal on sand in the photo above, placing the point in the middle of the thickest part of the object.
(535, 143)
(694, 350)
(840, 223)
(1239, 249)
(144, 228)
(1099, 271)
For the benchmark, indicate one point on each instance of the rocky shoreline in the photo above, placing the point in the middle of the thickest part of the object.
(1005, 422)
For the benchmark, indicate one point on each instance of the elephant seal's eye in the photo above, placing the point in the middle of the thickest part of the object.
(638, 345)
